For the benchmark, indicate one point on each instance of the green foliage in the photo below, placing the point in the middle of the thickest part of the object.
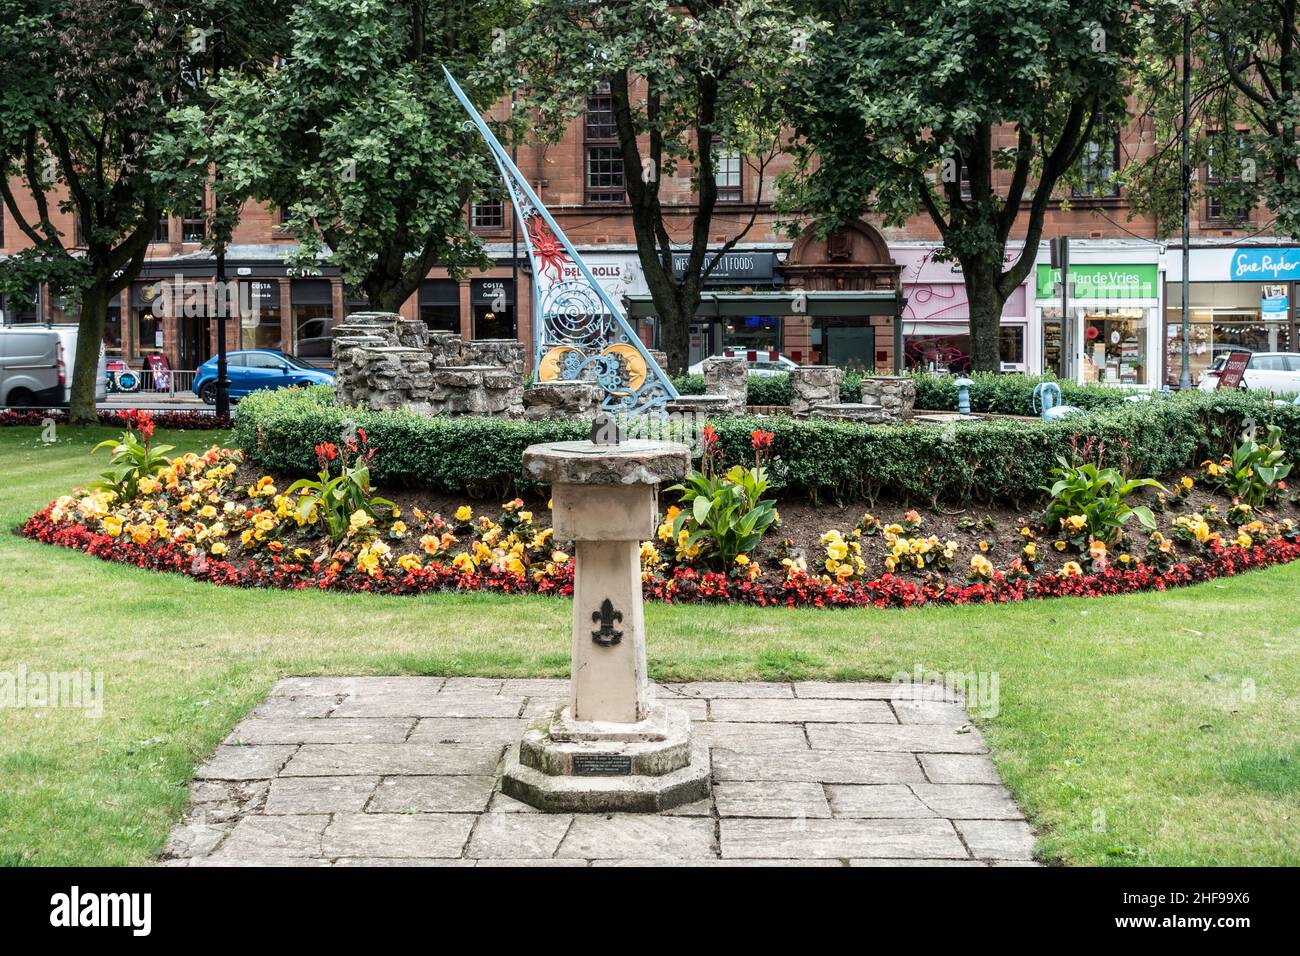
(901, 98)
(357, 137)
(999, 394)
(330, 502)
(1255, 468)
(1099, 496)
(131, 460)
(726, 515)
(981, 460)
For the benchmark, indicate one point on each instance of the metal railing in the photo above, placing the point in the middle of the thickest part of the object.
(147, 381)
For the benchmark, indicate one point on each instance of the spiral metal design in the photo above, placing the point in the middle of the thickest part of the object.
(573, 315)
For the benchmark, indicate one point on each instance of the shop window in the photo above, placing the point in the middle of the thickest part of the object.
(1114, 346)
(312, 306)
(488, 215)
(494, 316)
(440, 305)
(113, 328)
(260, 322)
(944, 347)
(146, 327)
(751, 333)
(604, 160)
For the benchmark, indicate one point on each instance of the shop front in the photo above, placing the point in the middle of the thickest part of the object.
(1240, 298)
(936, 318)
(739, 271)
(1113, 311)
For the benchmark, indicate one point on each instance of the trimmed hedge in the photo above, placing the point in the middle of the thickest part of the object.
(967, 461)
(991, 392)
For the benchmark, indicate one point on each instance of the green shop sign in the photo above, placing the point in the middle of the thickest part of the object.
(1101, 282)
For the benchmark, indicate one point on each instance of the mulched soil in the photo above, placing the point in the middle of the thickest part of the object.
(803, 524)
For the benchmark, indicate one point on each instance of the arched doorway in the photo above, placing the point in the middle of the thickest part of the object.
(852, 258)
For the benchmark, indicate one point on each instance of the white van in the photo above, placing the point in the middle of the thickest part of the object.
(36, 366)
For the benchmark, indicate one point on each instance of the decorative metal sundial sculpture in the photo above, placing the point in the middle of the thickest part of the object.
(578, 331)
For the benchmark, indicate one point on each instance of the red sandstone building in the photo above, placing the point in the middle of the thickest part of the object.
(1126, 298)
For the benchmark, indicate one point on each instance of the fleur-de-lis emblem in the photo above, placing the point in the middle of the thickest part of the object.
(608, 635)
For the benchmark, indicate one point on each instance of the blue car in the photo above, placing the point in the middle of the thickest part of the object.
(251, 370)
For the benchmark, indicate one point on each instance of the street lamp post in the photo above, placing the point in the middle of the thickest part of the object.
(1185, 372)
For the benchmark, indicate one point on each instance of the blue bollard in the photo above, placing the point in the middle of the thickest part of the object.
(963, 395)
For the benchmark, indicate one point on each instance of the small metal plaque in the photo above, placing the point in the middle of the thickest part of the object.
(602, 765)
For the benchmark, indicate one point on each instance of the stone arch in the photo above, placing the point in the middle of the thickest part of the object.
(854, 257)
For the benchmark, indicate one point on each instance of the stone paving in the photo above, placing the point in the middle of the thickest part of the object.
(402, 771)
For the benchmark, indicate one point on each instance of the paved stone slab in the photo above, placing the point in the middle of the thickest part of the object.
(770, 799)
(296, 708)
(398, 834)
(316, 731)
(909, 738)
(519, 835)
(638, 836)
(296, 795)
(329, 760)
(998, 839)
(880, 690)
(929, 712)
(979, 863)
(335, 686)
(262, 838)
(716, 863)
(717, 690)
(447, 794)
(959, 768)
(751, 738)
(968, 801)
(245, 763)
(396, 771)
(408, 704)
(891, 801)
(817, 767)
(841, 839)
(802, 711)
(459, 730)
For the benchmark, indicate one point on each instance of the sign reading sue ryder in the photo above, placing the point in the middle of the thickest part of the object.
(1264, 265)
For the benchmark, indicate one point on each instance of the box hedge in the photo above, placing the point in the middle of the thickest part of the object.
(992, 393)
(977, 460)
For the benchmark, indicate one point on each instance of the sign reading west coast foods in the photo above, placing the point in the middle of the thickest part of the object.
(1264, 265)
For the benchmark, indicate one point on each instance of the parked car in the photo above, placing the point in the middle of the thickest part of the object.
(763, 362)
(36, 365)
(255, 369)
(1275, 372)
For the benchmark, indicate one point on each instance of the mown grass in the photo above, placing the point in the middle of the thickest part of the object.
(1154, 729)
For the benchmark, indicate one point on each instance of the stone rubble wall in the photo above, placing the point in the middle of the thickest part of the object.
(812, 385)
(384, 361)
(565, 399)
(895, 394)
(728, 377)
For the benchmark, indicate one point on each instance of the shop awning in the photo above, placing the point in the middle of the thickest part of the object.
(714, 304)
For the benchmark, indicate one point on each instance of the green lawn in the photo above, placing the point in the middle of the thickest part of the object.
(1158, 729)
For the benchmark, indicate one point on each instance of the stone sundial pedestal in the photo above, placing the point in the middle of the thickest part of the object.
(614, 747)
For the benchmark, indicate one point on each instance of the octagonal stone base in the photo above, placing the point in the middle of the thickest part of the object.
(569, 766)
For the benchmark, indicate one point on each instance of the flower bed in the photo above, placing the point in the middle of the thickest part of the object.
(191, 420)
(208, 517)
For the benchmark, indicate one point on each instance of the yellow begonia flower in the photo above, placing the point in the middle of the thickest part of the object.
(464, 513)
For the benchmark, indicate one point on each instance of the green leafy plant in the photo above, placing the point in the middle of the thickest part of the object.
(1091, 503)
(724, 515)
(134, 457)
(334, 499)
(1255, 469)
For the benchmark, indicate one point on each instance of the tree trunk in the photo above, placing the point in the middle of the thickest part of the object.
(985, 304)
(85, 365)
(675, 337)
